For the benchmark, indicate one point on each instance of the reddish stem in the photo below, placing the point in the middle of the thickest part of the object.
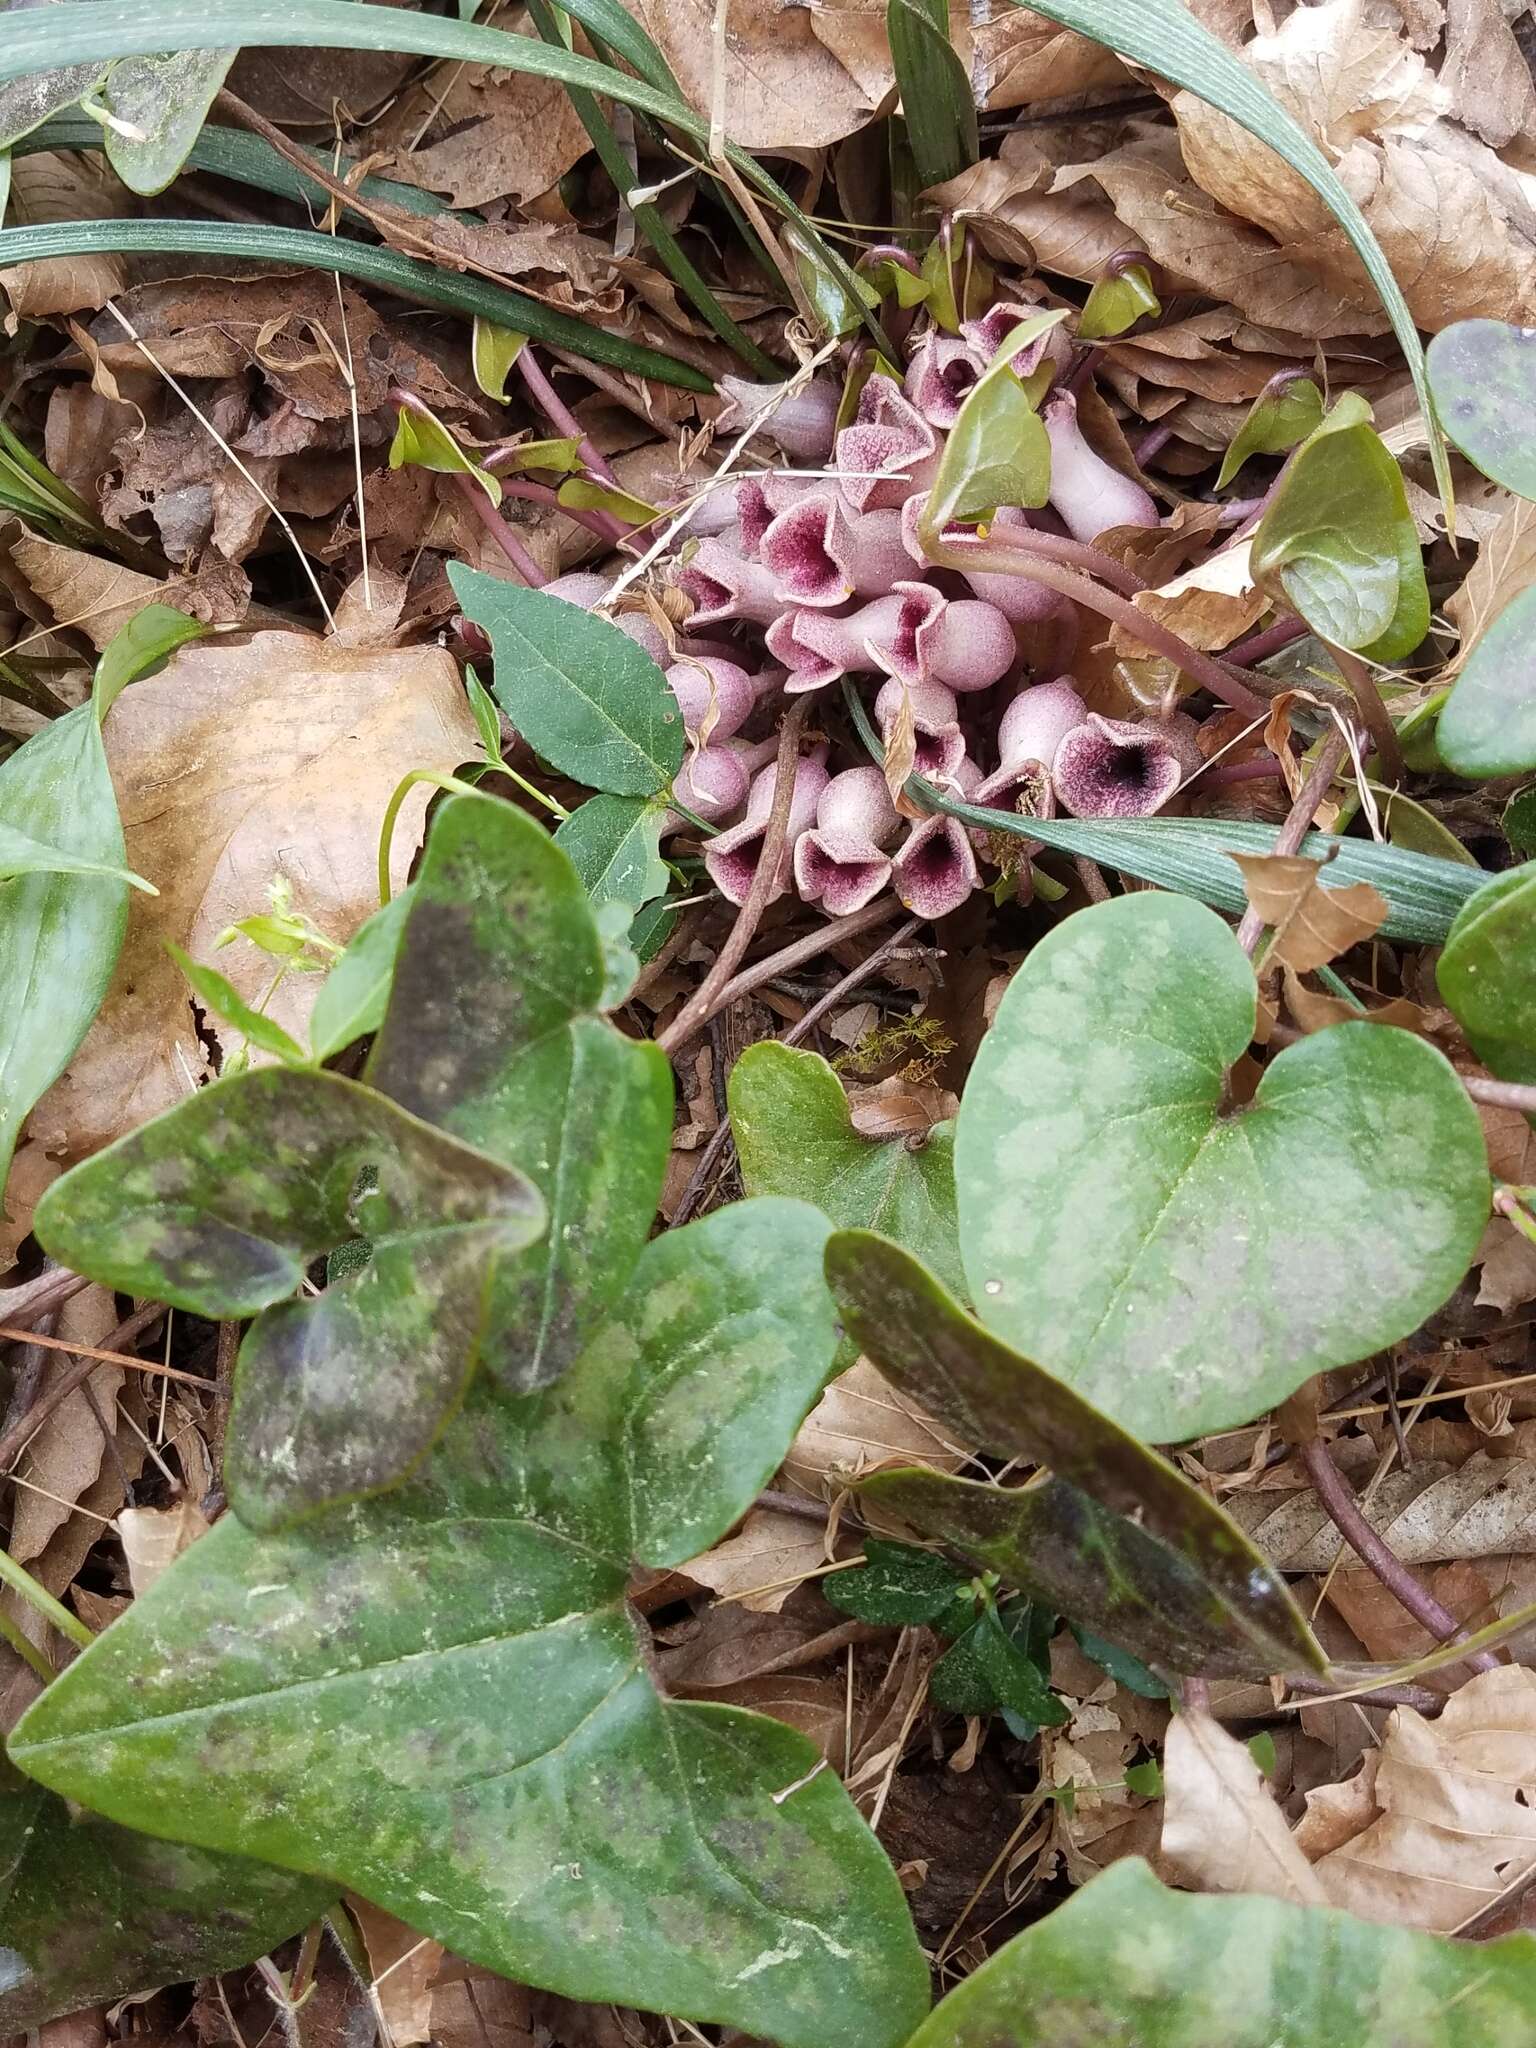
(1151, 443)
(1228, 772)
(1077, 554)
(560, 416)
(1260, 646)
(504, 535)
(603, 524)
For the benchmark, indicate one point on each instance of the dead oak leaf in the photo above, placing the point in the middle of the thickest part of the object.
(763, 1562)
(784, 88)
(1222, 1831)
(1311, 924)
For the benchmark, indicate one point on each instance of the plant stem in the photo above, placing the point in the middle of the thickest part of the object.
(560, 416)
(1373, 713)
(788, 958)
(1298, 824)
(504, 535)
(1260, 646)
(603, 524)
(1227, 772)
(1075, 554)
(1500, 1094)
(696, 1012)
(21, 1581)
(13, 1633)
(1344, 1511)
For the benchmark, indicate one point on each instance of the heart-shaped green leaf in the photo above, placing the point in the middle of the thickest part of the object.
(1339, 542)
(1483, 375)
(1127, 1962)
(493, 1033)
(581, 693)
(1180, 1583)
(220, 1205)
(93, 1912)
(1185, 1266)
(1488, 724)
(441, 1700)
(795, 1136)
(161, 104)
(1487, 973)
(614, 843)
(1277, 421)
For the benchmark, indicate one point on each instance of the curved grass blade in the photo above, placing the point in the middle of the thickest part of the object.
(396, 273)
(1167, 38)
(936, 97)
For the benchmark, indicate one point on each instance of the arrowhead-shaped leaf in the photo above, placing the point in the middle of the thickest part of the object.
(1179, 1584)
(493, 1033)
(440, 1700)
(1126, 1961)
(1487, 973)
(1185, 1266)
(221, 1205)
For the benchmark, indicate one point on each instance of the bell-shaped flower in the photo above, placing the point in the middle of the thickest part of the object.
(888, 452)
(760, 499)
(1122, 768)
(801, 422)
(941, 376)
(987, 334)
(716, 697)
(818, 647)
(731, 858)
(839, 863)
(1029, 736)
(935, 869)
(724, 584)
(1089, 493)
(940, 744)
(961, 642)
(821, 554)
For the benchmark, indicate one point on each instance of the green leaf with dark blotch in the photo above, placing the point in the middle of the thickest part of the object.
(1117, 303)
(990, 1395)
(614, 844)
(353, 996)
(92, 1912)
(988, 1668)
(21, 855)
(580, 692)
(441, 1700)
(937, 100)
(216, 992)
(1487, 974)
(138, 648)
(1274, 426)
(220, 1205)
(493, 1032)
(1488, 724)
(1183, 1266)
(1128, 1964)
(166, 99)
(897, 1587)
(1339, 543)
(1483, 375)
(795, 1136)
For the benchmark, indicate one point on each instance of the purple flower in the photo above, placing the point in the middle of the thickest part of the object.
(1115, 768)
(724, 585)
(987, 335)
(716, 697)
(888, 452)
(759, 501)
(731, 858)
(1090, 495)
(821, 554)
(935, 871)
(802, 423)
(588, 587)
(940, 742)
(959, 641)
(839, 863)
(941, 376)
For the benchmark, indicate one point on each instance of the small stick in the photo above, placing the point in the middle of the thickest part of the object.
(1344, 1511)
(1501, 1094)
(50, 1290)
(788, 958)
(20, 1431)
(697, 1010)
(1297, 824)
(149, 1365)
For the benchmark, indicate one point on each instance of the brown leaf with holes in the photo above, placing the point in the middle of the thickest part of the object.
(784, 88)
(1311, 923)
(1210, 605)
(1455, 1810)
(1222, 1831)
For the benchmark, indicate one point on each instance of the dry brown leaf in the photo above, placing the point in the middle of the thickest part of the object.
(762, 1564)
(65, 1456)
(1209, 605)
(1433, 1512)
(897, 1108)
(783, 85)
(52, 187)
(861, 1421)
(238, 764)
(1311, 924)
(1314, 1011)
(155, 1537)
(101, 596)
(1476, 1591)
(1221, 1829)
(474, 2008)
(1454, 1824)
(1505, 565)
(1507, 1261)
(1485, 74)
(818, 1707)
(404, 1965)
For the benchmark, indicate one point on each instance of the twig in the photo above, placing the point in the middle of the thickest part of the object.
(809, 948)
(50, 1290)
(149, 1365)
(1334, 1493)
(20, 1431)
(695, 1013)
(1419, 1697)
(1297, 825)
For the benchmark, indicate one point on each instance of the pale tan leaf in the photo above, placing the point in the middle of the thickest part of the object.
(861, 1421)
(1222, 1831)
(1314, 1011)
(784, 88)
(817, 1706)
(1209, 605)
(897, 1108)
(1311, 923)
(1433, 1512)
(1505, 565)
(1476, 1591)
(238, 764)
(64, 1457)
(155, 1537)
(1455, 1823)
(101, 596)
(1485, 73)
(900, 749)
(762, 1564)
(405, 1965)
(1507, 1260)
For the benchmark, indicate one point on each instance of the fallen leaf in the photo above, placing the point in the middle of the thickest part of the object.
(1454, 1824)
(65, 1456)
(100, 596)
(1210, 605)
(1476, 1591)
(1507, 1262)
(783, 85)
(1316, 1012)
(1433, 1512)
(238, 764)
(1505, 565)
(861, 1422)
(1485, 75)
(1221, 1829)
(405, 1966)
(155, 1537)
(1311, 923)
(762, 1564)
(499, 134)
(818, 1707)
(57, 187)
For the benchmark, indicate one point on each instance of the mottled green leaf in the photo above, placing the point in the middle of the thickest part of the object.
(90, 1912)
(221, 1204)
(166, 100)
(1126, 1964)
(353, 996)
(1483, 375)
(897, 1586)
(580, 692)
(614, 844)
(1487, 974)
(1276, 423)
(1338, 542)
(795, 1135)
(441, 1700)
(1518, 823)
(1181, 1568)
(493, 1032)
(1185, 1266)
(1488, 724)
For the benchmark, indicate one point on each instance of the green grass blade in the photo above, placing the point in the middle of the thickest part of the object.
(96, 31)
(936, 97)
(403, 274)
(1165, 37)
